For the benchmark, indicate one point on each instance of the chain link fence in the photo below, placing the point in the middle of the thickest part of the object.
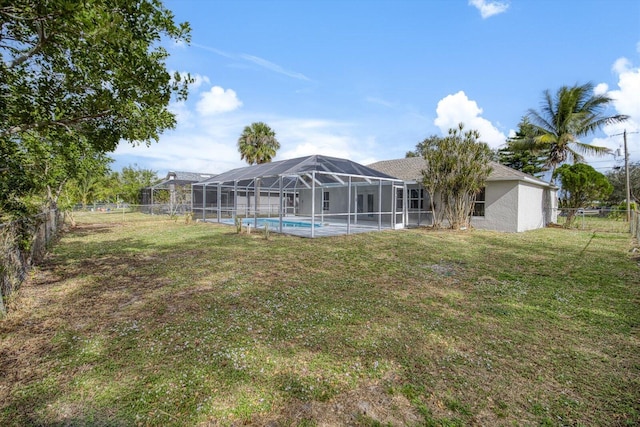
(610, 220)
(24, 243)
(635, 225)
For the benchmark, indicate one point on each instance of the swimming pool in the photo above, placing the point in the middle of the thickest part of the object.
(274, 223)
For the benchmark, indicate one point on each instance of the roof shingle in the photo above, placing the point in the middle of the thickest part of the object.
(410, 169)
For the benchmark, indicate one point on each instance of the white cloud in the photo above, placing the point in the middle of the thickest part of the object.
(256, 60)
(209, 143)
(218, 100)
(626, 100)
(304, 137)
(273, 67)
(183, 114)
(458, 108)
(489, 8)
(198, 80)
(601, 89)
(621, 65)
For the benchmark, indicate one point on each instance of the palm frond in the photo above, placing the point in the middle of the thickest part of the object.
(539, 122)
(592, 149)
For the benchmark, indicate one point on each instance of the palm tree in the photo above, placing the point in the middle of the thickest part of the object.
(574, 112)
(258, 143)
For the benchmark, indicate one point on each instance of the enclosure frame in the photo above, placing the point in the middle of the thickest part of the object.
(299, 188)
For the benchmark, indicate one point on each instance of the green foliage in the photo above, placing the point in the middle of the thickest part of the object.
(75, 79)
(620, 211)
(87, 187)
(618, 180)
(518, 153)
(421, 146)
(573, 112)
(131, 181)
(258, 143)
(581, 186)
(457, 169)
(94, 68)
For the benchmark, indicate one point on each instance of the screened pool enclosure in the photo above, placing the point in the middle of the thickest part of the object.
(309, 196)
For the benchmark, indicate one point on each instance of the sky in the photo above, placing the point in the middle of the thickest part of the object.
(367, 80)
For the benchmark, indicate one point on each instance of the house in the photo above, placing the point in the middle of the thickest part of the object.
(176, 187)
(512, 201)
(312, 195)
(321, 195)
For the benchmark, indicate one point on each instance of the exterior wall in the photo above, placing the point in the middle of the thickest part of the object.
(532, 207)
(510, 206)
(501, 207)
(516, 206)
(339, 201)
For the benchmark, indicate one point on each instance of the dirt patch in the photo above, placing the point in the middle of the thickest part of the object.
(445, 269)
(367, 404)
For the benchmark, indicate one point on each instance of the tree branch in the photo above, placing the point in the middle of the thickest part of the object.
(42, 39)
(67, 123)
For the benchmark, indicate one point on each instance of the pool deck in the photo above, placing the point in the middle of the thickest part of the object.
(327, 228)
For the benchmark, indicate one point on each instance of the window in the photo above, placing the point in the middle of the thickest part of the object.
(478, 207)
(325, 201)
(416, 199)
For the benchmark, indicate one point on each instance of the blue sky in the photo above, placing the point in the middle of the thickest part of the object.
(368, 79)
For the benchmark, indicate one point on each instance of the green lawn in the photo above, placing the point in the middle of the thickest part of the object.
(136, 320)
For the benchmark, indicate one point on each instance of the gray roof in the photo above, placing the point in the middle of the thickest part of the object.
(189, 176)
(410, 169)
(182, 178)
(329, 168)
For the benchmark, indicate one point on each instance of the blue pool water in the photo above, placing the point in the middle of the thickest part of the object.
(274, 223)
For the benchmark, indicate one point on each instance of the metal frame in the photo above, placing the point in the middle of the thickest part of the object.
(300, 186)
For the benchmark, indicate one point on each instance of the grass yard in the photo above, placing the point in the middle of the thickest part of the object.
(597, 224)
(146, 321)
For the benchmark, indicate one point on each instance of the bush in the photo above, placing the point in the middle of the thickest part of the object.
(620, 211)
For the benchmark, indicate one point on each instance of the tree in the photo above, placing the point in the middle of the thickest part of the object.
(618, 180)
(131, 182)
(581, 186)
(90, 72)
(518, 153)
(88, 185)
(457, 169)
(572, 113)
(420, 146)
(258, 143)
(94, 67)
(44, 167)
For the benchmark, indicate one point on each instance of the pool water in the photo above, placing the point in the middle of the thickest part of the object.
(274, 223)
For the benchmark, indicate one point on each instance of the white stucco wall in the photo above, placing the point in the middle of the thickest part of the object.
(516, 206)
(531, 212)
(501, 207)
